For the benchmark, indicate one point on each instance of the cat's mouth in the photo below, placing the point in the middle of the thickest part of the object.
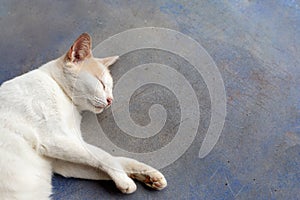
(97, 106)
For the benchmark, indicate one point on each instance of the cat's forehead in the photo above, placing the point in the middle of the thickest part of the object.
(95, 68)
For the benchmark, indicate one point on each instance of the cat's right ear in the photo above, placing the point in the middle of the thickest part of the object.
(81, 49)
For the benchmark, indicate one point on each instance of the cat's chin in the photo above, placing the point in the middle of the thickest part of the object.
(97, 110)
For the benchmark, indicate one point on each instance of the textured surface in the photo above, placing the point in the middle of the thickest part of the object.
(255, 45)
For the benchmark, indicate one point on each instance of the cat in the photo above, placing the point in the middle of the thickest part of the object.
(40, 115)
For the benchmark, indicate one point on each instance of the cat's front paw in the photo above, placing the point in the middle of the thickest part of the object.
(153, 179)
(126, 185)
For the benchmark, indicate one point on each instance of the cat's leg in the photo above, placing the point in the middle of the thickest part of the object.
(75, 170)
(134, 169)
(69, 148)
(144, 173)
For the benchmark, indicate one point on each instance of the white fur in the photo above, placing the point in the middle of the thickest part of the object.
(40, 134)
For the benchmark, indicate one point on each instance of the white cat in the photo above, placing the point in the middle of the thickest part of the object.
(40, 128)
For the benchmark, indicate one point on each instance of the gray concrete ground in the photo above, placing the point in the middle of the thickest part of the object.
(253, 45)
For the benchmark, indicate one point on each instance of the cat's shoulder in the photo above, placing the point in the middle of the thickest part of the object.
(37, 85)
(35, 80)
(37, 91)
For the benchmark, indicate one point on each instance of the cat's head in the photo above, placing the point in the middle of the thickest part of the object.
(88, 79)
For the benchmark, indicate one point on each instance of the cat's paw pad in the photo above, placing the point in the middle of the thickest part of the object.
(152, 179)
(126, 186)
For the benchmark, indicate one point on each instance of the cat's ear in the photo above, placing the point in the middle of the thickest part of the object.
(108, 61)
(81, 49)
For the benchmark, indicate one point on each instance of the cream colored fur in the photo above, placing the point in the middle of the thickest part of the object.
(40, 115)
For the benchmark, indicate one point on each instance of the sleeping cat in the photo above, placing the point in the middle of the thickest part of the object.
(40, 115)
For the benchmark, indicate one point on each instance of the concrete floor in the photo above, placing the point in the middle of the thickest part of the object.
(255, 46)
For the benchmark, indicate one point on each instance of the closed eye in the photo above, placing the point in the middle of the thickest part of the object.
(102, 84)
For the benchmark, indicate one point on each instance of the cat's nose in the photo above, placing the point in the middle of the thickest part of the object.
(109, 101)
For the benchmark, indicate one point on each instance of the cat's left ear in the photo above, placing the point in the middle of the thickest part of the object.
(81, 49)
(108, 61)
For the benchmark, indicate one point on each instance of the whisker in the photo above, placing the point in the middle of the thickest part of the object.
(98, 100)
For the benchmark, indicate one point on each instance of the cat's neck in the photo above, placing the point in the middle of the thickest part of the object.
(54, 69)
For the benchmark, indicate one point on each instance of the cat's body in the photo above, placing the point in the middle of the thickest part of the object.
(40, 128)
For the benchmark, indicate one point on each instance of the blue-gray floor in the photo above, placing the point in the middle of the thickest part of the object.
(255, 46)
